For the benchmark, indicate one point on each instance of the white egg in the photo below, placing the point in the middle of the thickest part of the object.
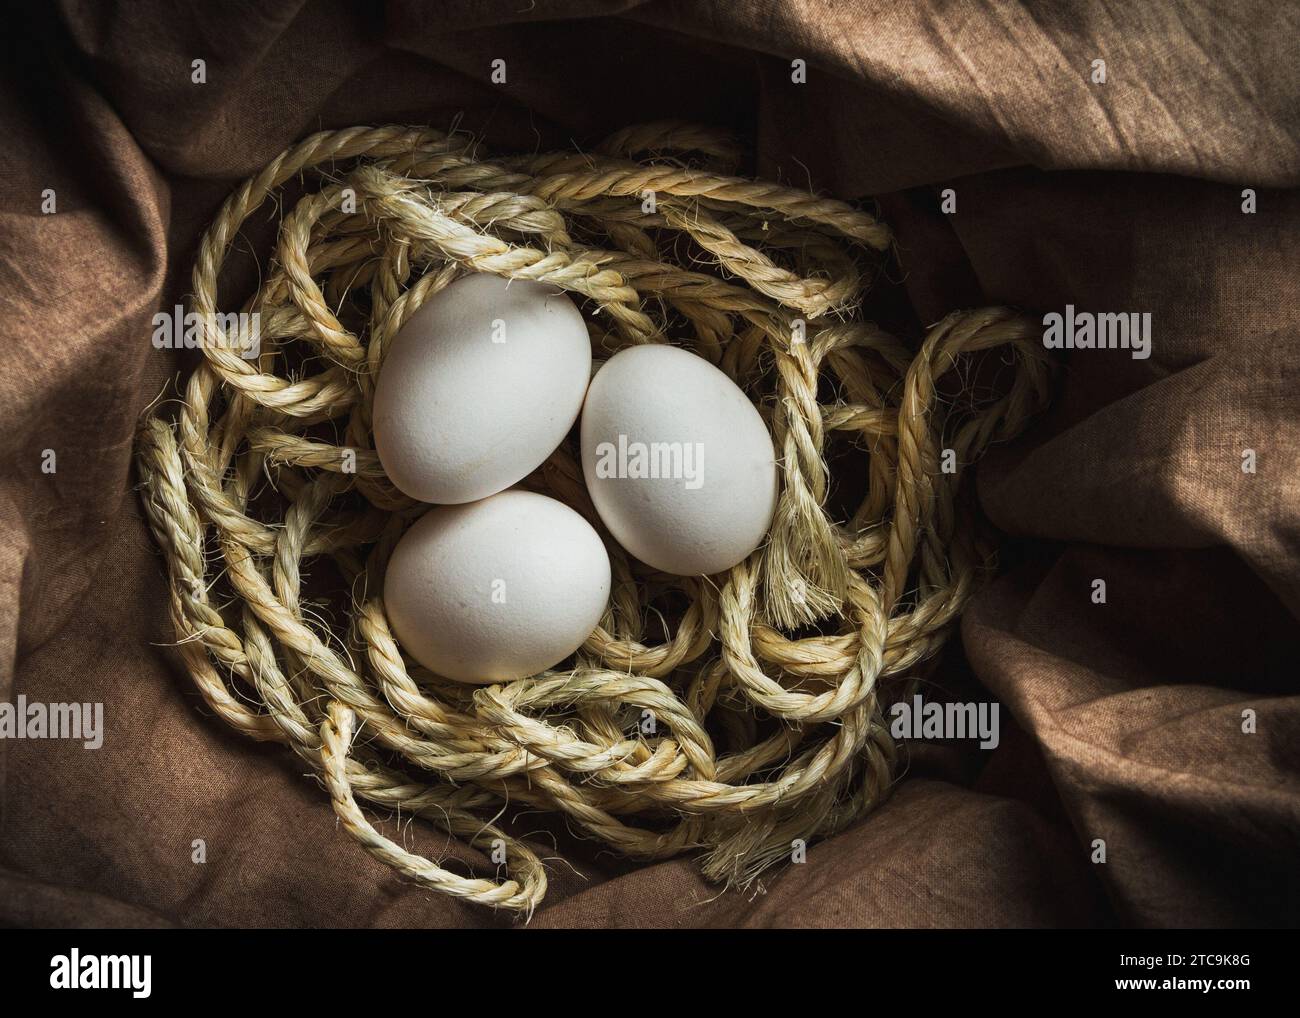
(498, 589)
(678, 461)
(479, 387)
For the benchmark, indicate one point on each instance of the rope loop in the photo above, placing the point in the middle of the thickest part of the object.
(729, 714)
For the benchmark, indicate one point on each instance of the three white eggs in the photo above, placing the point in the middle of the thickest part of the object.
(477, 389)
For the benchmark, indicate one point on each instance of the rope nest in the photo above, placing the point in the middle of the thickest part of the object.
(731, 715)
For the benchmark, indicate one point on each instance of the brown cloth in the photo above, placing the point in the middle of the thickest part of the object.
(1122, 722)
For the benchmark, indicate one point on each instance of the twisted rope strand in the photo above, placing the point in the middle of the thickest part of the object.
(703, 713)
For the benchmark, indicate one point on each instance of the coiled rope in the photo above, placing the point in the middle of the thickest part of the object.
(733, 715)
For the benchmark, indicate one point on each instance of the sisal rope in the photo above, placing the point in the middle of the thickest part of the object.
(729, 715)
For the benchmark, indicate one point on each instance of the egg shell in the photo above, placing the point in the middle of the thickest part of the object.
(496, 590)
(479, 387)
(713, 500)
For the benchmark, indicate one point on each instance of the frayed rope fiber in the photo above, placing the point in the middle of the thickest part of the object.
(730, 715)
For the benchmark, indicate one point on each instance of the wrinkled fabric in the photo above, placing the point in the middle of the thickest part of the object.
(1122, 722)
